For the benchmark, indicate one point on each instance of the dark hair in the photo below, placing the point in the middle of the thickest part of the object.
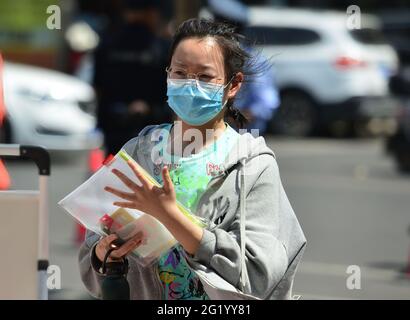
(235, 58)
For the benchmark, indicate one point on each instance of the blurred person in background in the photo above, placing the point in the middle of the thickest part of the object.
(92, 19)
(259, 97)
(129, 75)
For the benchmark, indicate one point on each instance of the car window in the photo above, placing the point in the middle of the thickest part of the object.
(279, 36)
(368, 36)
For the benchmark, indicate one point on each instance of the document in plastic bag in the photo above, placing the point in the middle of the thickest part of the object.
(93, 207)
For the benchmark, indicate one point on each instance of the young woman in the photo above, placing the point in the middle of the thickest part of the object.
(252, 243)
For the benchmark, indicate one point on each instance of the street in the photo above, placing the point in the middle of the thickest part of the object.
(353, 206)
(354, 209)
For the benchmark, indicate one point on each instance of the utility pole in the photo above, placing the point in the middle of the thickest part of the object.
(186, 9)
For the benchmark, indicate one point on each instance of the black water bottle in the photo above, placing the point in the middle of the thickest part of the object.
(115, 285)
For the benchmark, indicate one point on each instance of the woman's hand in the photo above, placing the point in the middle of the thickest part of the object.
(156, 201)
(105, 244)
(159, 202)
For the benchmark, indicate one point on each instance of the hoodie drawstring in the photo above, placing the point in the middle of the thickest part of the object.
(242, 211)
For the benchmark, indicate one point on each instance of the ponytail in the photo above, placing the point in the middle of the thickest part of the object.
(234, 113)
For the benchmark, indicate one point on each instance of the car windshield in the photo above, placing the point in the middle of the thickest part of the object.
(281, 36)
(368, 36)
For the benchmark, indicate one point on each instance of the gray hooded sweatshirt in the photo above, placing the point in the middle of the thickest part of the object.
(253, 243)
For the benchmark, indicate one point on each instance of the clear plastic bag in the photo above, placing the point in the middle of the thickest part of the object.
(93, 207)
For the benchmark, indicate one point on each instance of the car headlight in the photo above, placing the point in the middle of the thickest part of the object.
(88, 106)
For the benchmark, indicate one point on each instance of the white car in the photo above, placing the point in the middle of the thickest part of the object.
(48, 108)
(328, 76)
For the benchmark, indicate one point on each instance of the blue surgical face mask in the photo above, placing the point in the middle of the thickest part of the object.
(195, 102)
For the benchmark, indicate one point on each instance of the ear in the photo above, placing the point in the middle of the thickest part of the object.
(235, 85)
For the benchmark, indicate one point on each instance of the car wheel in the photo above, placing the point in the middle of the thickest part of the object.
(296, 115)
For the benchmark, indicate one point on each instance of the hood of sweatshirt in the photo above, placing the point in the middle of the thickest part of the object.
(246, 147)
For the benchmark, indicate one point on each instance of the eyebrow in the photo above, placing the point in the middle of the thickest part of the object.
(202, 66)
(180, 63)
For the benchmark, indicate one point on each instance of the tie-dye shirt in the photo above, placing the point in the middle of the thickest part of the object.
(190, 176)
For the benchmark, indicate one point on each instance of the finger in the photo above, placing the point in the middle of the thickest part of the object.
(133, 248)
(105, 242)
(127, 181)
(130, 205)
(125, 249)
(138, 237)
(168, 185)
(157, 190)
(124, 195)
(144, 181)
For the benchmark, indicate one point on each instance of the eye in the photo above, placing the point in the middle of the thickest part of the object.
(179, 73)
(205, 77)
